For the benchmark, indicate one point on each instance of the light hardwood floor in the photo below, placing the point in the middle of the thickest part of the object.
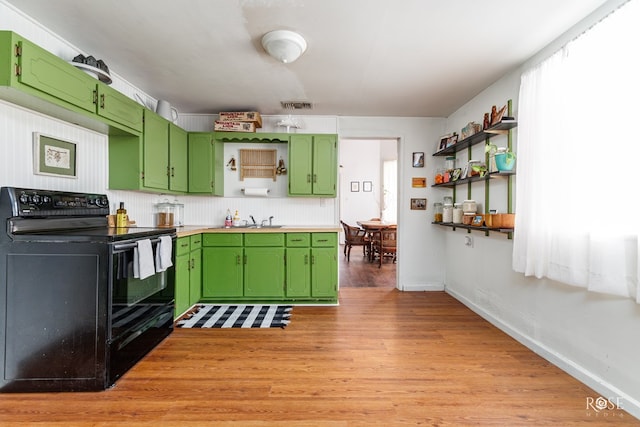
(382, 357)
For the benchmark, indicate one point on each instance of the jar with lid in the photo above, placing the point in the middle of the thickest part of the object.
(447, 213)
(437, 212)
(457, 214)
(469, 207)
(164, 214)
(447, 200)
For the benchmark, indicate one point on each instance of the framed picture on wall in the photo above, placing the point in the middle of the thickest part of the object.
(367, 186)
(355, 186)
(53, 156)
(418, 160)
(419, 204)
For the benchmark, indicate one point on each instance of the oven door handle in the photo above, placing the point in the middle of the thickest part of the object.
(126, 246)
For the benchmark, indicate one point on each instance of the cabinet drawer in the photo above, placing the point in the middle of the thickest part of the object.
(222, 239)
(196, 241)
(264, 239)
(183, 246)
(324, 240)
(298, 240)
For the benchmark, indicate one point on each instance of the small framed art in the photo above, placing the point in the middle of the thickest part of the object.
(54, 156)
(418, 204)
(355, 186)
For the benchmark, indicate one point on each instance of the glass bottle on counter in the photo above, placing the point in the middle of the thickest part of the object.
(121, 216)
(437, 212)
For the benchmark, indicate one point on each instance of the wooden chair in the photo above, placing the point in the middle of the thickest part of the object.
(354, 236)
(384, 244)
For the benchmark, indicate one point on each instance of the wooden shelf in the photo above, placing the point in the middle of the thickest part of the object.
(499, 128)
(258, 137)
(491, 175)
(474, 227)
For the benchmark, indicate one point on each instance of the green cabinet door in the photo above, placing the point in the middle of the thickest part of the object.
(264, 272)
(300, 164)
(119, 108)
(324, 272)
(178, 159)
(312, 165)
(46, 72)
(183, 264)
(298, 272)
(324, 165)
(206, 171)
(222, 272)
(156, 151)
(195, 277)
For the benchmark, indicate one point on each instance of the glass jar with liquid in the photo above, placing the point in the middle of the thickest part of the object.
(437, 212)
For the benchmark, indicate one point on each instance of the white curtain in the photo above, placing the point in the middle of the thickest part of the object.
(578, 204)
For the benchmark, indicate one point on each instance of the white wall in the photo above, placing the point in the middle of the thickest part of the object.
(359, 161)
(419, 243)
(591, 336)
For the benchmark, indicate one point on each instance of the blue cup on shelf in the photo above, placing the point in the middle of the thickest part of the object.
(505, 161)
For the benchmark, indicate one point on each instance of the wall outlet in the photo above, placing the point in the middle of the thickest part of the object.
(468, 241)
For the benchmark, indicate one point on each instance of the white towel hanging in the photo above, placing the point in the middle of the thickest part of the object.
(163, 253)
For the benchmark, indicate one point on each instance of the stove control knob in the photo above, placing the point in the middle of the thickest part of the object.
(36, 200)
(46, 199)
(102, 202)
(24, 199)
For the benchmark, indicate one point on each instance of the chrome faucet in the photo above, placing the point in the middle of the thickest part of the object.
(270, 219)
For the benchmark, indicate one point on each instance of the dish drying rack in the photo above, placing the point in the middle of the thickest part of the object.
(255, 163)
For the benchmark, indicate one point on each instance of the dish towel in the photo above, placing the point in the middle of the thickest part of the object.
(163, 253)
(143, 260)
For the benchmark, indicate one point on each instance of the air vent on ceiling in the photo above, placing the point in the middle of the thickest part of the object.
(296, 105)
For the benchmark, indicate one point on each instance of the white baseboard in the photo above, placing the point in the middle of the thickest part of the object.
(605, 389)
(428, 287)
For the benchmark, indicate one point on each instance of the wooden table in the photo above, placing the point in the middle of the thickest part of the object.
(372, 228)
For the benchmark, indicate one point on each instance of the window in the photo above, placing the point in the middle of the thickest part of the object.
(578, 206)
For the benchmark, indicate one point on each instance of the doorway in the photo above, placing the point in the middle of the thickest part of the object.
(368, 188)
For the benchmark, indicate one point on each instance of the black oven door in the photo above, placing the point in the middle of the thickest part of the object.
(141, 311)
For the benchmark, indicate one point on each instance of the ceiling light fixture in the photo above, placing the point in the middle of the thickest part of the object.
(284, 45)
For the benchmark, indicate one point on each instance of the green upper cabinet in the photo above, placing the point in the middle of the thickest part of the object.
(156, 151)
(178, 159)
(155, 161)
(41, 81)
(115, 106)
(46, 72)
(206, 171)
(313, 165)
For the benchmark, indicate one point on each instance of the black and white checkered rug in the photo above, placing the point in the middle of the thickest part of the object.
(238, 316)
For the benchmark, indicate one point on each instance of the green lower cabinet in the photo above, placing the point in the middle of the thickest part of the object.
(188, 273)
(182, 284)
(294, 267)
(298, 262)
(222, 272)
(324, 272)
(264, 272)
